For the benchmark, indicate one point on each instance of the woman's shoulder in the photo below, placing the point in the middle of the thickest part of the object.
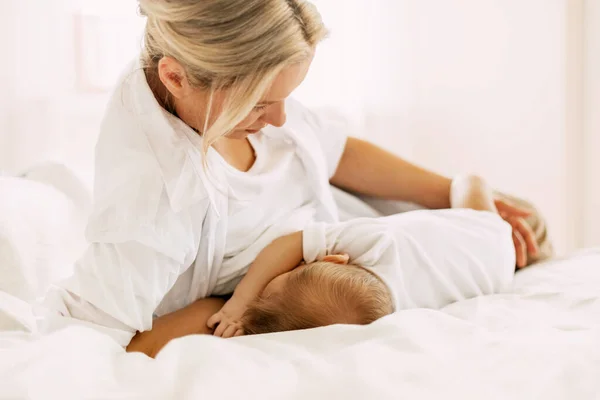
(142, 148)
(132, 198)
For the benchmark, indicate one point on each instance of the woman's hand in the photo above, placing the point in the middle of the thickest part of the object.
(523, 236)
(471, 191)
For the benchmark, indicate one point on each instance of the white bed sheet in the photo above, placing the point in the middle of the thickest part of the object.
(42, 221)
(541, 342)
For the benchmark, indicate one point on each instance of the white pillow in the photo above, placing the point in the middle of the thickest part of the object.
(42, 222)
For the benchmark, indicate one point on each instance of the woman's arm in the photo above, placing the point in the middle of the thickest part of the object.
(368, 169)
(281, 256)
(187, 321)
(133, 259)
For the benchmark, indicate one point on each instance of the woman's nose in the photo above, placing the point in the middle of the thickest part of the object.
(275, 115)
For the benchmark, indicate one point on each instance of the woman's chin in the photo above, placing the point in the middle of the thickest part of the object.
(242, 133)
(239, 134)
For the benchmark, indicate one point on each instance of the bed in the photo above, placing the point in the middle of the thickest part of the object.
(542, 341)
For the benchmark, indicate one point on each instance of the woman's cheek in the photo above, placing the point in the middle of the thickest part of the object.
(249, 120)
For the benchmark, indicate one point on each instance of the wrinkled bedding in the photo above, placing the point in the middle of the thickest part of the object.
(542, 341)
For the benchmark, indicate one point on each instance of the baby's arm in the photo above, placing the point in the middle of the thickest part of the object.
(282, 255)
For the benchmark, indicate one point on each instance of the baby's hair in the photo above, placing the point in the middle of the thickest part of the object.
(320, 294)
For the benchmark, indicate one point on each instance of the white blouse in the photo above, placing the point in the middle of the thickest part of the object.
(158, 231)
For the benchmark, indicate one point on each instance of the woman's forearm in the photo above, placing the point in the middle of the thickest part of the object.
(187, 321)
(369, 170)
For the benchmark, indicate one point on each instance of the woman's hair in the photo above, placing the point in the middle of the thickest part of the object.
(240, 45)
(320, 294)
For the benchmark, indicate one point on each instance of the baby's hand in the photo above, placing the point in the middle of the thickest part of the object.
(228, 321)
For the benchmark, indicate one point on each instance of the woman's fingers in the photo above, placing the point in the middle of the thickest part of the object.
(520, 249)
(527, 233)
(505, 207)
(239, 332)
(523, 236)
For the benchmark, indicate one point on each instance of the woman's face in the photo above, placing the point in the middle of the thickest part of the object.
(191, 103)
(271, 109)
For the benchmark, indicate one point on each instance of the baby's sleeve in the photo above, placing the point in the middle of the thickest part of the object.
(367, 241)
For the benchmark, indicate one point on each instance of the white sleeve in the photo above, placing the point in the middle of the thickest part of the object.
(139, 247)
(331, 130)
(368, 243)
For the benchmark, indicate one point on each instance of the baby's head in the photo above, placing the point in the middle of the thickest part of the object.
(319, 294)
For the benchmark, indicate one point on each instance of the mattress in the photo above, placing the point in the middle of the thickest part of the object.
(542, 341)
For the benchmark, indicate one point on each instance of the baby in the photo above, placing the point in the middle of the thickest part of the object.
(361, 270)
(317, 294)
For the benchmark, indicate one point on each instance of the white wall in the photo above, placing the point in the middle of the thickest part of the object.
(44, 115)
(7, 72)
(471, 85)
(574, 133)
(592, 122)
(487, 86)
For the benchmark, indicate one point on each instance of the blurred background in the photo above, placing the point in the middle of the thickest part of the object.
(509, 89)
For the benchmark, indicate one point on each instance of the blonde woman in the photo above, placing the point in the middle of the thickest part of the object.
(201, 152)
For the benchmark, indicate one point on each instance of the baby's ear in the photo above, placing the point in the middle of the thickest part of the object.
(337, 258)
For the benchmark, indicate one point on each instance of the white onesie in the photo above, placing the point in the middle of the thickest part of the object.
(428, 259)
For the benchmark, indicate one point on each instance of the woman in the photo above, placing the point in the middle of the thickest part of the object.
(197, 157)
